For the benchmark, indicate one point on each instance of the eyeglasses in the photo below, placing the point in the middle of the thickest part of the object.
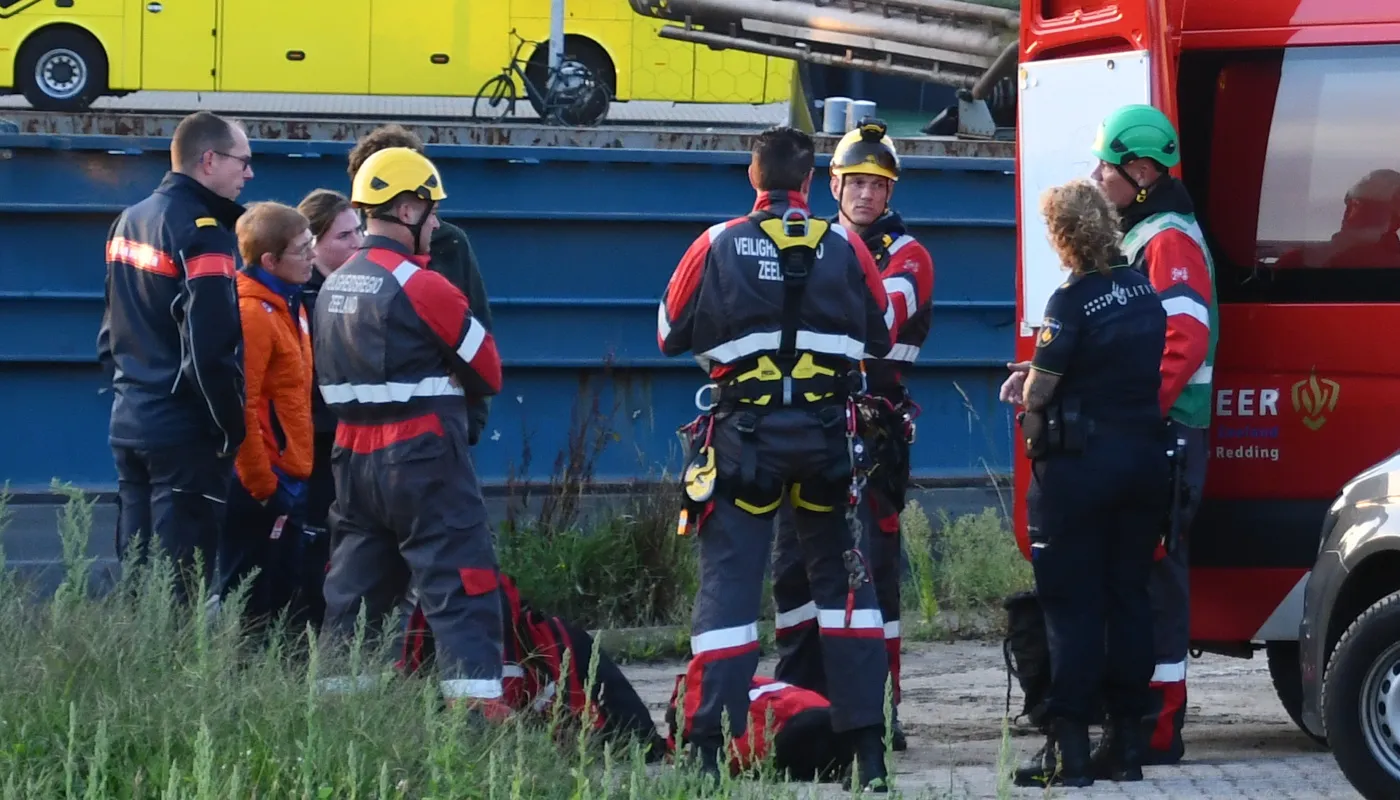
(246, 161)
(305, 251)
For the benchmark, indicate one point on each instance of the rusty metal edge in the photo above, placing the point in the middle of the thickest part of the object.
(514, 135)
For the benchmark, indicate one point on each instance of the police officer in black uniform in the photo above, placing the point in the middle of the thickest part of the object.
(1093, 428)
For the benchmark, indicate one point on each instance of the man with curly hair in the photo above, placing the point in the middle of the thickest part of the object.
(450, 253)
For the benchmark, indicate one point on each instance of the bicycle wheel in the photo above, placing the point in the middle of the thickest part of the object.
(499, 96)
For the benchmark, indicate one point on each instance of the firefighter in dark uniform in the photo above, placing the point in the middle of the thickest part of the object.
(398, 352)
(1099, 450)
(779, 308)
(171, 343)
(864, 169)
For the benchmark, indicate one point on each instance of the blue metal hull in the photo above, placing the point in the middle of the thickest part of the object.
(576, 246)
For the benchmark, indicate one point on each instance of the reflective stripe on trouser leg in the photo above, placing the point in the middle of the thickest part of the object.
(1171, 633)
(799, 642)
(724, 623)
(854, 652)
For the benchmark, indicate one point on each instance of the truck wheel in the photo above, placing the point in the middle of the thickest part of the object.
(1287, 676)
(61, 69)
(1361, 701)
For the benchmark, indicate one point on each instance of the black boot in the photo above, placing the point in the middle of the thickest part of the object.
(897, 741)
(1064, 760)
(1072, 739)
(1107, 752)
(869, 746)
(1037, 770)
(707, 762)
(1118, 755)
(1132, 751)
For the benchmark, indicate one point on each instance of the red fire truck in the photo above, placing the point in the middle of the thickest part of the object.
(1288, 112)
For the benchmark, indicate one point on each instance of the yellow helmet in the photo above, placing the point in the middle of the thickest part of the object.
(867, 150)
(392, 171)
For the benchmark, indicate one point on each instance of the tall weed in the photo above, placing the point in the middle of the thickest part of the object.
(131, 696)
(969, 564)
(623, 566)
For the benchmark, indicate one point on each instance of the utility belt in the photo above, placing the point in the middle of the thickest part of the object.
(788, 392)
(765, 385)
(1059, 428)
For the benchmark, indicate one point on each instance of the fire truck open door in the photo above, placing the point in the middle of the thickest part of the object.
(1061, 102)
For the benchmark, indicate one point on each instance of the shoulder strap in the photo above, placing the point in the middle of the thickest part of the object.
(796, 235)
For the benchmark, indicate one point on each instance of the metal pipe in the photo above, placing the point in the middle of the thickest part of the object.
(932, 75)
(957, 8)
(954, 8)
(999, 69)
(556, 35)
(829, 18)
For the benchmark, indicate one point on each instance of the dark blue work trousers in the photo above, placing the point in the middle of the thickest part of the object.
(174, 496)
(283, 555)
(1099, 516)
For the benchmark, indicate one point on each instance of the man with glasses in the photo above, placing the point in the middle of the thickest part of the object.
(171, 344)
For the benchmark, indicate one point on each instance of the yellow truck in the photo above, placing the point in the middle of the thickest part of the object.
(64, 54)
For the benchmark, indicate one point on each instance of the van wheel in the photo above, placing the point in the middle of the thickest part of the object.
(1361, 701)
(61, 69)
(1287, 676)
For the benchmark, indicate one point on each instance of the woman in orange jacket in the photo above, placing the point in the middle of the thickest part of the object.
(267, 502)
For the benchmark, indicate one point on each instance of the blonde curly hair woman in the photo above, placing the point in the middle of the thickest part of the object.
(1082, 226)
(1093, 429)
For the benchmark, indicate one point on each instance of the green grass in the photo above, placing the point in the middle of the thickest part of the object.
(626, 568)
(968, 567)
(130, 696)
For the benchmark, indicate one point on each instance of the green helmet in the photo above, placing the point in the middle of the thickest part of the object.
(1137, 131)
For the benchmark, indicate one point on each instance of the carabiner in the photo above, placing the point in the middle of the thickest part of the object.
(710, 387)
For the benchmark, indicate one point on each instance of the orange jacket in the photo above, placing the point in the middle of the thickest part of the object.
(278, 369)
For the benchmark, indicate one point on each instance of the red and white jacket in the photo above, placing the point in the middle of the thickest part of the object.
(396, 346)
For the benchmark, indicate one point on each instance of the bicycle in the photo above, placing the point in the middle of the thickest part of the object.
(572, 95)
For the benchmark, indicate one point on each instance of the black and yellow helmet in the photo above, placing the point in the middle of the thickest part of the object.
(867, 150)
(392, 171)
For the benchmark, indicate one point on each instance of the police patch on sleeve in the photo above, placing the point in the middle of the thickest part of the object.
(1048, 331)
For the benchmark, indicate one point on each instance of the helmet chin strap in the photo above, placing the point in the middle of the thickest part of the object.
(1141, 190)
(415, 229)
